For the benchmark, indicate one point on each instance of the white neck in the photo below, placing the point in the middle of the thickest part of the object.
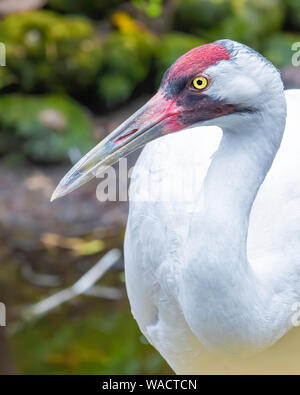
(236, 309)
(239, 167)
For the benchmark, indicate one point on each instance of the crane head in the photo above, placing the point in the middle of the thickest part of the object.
(215, 84)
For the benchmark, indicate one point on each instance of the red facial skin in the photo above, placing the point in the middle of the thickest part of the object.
(196, 61)
(164, 110)
(177, 104)
(191, 105)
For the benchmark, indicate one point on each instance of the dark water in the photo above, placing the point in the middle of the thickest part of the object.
(88, 335)
(45, 248)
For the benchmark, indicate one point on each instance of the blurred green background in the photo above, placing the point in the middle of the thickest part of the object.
(74, 70)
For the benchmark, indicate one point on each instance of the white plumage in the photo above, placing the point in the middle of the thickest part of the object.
(158, 241)
(212, 246)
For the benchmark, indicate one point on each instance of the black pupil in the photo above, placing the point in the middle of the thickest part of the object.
(199, 82)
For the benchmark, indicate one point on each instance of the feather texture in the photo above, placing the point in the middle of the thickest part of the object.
(166, 199)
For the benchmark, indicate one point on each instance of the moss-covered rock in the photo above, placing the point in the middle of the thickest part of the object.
(44, 128)
(278, 48)
(172, 46)
(50, 52)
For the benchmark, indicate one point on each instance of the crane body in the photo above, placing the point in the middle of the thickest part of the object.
(156, 276)
(212, 246)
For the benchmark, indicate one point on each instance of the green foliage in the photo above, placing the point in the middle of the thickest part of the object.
(46, 51)
(153, 8)
(248, 21)
(43, 128)
(172, 46)
(254, 19)
(195, 15)
(278, 48)
(6, 77)
(293, 13)
(127, 62)
(93, 8)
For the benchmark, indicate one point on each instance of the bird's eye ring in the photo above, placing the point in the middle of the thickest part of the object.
(200, 83)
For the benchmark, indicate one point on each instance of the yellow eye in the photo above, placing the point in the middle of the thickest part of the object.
(200, 82)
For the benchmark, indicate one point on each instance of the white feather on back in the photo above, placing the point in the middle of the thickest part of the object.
(275, 217)
(157, 231)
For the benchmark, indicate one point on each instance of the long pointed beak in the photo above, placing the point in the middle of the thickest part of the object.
(155, 118)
